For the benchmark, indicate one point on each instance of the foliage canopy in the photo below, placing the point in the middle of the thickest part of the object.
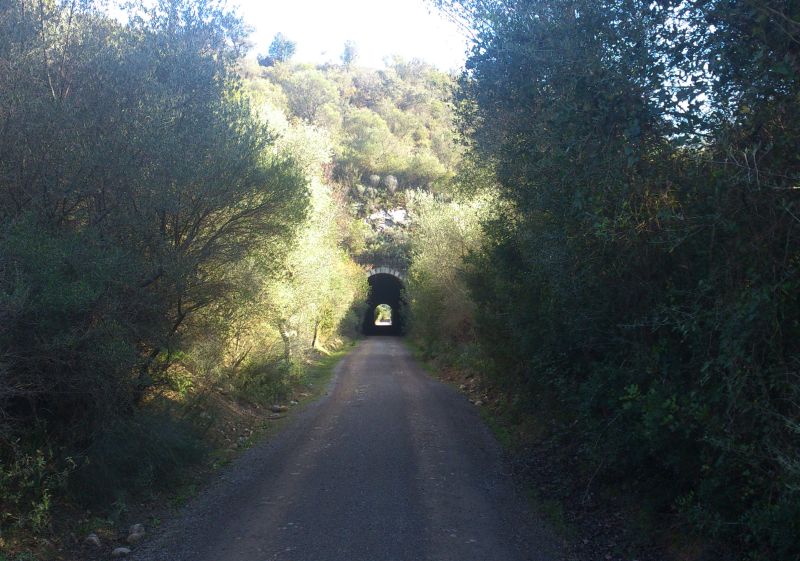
(643, 280)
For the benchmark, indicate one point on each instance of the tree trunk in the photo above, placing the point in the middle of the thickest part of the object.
(287, 343)
(314, 340)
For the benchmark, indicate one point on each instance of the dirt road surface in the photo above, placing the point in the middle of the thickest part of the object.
(390, 466)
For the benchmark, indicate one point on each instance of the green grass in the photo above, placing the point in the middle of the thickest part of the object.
(501, 430)
(314, 381)
(92, 524)
(220, 458)
(19, 557)
(319, 373)
(183, 494)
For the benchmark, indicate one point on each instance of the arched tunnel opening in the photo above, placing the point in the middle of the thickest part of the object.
(384, 290)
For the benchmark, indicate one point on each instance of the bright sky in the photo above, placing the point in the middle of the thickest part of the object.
(380, 28)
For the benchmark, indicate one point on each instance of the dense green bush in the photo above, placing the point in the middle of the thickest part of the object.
(135, 177)
(28, 482)
(68, 331)
(444, 233)
(645, 281)
(144, 452)
(267, 380)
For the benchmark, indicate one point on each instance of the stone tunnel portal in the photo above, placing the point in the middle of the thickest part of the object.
(384, 288)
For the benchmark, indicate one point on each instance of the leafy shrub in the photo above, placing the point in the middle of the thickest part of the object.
(116, 231)
(147, 451)
(266, 381)
(646, 274)
(28, 481)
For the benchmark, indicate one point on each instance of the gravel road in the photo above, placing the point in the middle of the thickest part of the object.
(390, 466)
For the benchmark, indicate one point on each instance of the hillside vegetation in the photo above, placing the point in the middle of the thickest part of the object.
(390, 132)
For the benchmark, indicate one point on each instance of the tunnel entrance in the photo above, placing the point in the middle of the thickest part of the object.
(385, 292)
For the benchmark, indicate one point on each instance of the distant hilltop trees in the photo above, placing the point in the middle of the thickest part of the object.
(281, 49)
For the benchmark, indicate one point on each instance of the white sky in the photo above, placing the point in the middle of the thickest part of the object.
(380, 28)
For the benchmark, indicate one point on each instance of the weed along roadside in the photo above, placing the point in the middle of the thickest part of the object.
(234, 426)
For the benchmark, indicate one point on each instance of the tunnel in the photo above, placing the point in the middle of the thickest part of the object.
(384, 289)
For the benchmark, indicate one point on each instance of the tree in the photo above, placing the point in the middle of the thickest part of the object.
(443, 235)
(307, 92)
(647, 152)
(350, 54)
(113, 243)
(370, 145)
(280, 50)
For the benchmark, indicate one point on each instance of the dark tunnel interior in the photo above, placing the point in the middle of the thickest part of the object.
(384, 289)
